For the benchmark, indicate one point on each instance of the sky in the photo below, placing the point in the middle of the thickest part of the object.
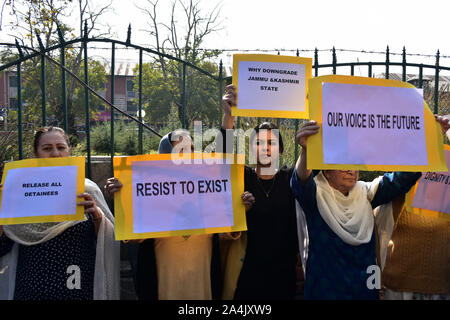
(420, 26)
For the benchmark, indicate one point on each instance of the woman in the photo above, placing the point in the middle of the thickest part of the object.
(418, 255)
(38, 259)
(177, 268)
(261, 264)
(341, 260)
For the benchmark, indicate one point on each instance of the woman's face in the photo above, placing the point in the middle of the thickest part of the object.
(342, 180)
(267, 147)
(52, 145)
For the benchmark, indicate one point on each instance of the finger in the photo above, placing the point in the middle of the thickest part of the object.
(306, 133)
(247, 196)
(309, 126)
(85, 195)
(86, 204)
(114, 190)
(230, 88)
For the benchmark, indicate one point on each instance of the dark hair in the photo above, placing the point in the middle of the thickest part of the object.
(38, 135)
(267, 126)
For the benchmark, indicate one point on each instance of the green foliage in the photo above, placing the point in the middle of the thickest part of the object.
(9, 146)
(101, 138)
(126, 140)
(162, 91)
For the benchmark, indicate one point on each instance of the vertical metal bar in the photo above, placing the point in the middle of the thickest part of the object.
(436, 85)
(43, 91)
(19, 109)
(316, 62)
(404, 65)
(140, 103)
(370, 70)
(334, 60)
(63, 89)
(86, 104)
(183, 98)
(352, 69)
(220, 89)
(387, 63)
(112, 89)
(421, 76)
(296, 129)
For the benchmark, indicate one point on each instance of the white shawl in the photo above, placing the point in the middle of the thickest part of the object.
(350, 217)
(107, 261)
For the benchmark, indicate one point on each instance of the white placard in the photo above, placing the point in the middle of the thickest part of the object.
(40, 191)
(271, 86)
(169, 197)
(373, 125)
(433, 190)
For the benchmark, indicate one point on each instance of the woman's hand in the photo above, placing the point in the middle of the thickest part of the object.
(444, 122)
(248, 199)
(306, 130)
(91, 208)
(228, 101)
(112, 185)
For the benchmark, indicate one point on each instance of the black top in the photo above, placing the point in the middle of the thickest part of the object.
(269, 268)
(49, 271)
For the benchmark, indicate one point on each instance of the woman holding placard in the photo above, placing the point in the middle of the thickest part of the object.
(417, 254)
(261, 263)
(341, 255)
(178, 267)
(68, 260)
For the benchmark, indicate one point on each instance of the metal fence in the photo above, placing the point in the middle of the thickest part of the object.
(84, 41)
(220, 79)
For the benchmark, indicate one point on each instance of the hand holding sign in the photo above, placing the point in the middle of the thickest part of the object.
(444, 123)
(248, 199)
(91, 208)
(306, 130)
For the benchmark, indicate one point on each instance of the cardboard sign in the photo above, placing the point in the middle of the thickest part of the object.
(431, 194)
(372, 124)
(162, 198)
(271, 85)
(42, 190)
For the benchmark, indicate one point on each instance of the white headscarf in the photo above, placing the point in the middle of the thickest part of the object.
(107, 260)
(350, 217)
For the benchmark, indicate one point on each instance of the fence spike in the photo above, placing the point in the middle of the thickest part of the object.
(85, 29)
(19, 48)
(129, 35)
(60, 34)
(41, 45)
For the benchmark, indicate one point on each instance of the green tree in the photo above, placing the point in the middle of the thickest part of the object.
(43, 17)
(161, 93)
(181, 36)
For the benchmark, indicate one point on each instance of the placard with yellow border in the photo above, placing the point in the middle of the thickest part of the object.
(409, 198)
(315, 159)
(123, 200)
(285, 83)
(78, 215)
